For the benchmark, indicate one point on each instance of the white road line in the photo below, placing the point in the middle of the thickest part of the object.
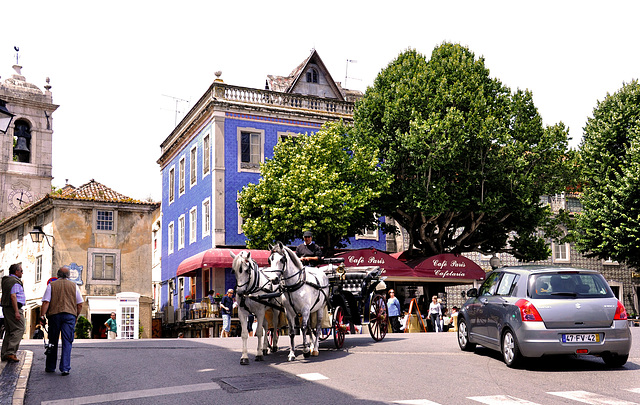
(501, 400)
(313, 376)
(416, 402)
(590, 398)
(121, 396)
(634, 390)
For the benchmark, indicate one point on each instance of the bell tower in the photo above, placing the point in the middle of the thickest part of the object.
(26, 148)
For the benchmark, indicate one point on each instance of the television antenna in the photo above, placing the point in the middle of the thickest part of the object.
(177, 110)
(346, 76)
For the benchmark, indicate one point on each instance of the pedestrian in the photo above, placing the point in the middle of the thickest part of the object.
(226, 307)
(395, 311)
(112, 327)
(1, 323)
(435, 313)
(38, 333)
(62, 304)
(308, 252)
(13, 299)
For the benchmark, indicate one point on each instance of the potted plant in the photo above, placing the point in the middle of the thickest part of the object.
(217, 297)
(188, 299)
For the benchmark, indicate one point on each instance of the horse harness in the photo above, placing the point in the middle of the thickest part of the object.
(255, 287)
(302, 280)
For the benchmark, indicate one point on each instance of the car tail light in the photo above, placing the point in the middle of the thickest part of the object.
(527, 311)
(621, 313)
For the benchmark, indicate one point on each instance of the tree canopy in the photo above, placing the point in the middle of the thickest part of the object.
(609, 226)
(467, 159)
(323, 182)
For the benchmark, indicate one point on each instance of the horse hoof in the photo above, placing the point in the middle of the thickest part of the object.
(315, 353)
(306, 354)
(265, 352)
(291, 358)
(259, 358)
(274, 349)
(244, 362)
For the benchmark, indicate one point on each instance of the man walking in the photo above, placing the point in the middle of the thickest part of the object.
(62, 302)
(13, 299)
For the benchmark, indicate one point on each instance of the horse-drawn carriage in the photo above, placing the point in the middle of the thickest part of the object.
(347, 295)
(355, 301)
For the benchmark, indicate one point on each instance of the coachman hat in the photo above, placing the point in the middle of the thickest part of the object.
(307, 233)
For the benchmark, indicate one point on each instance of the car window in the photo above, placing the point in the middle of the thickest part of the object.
(563, 285)
(506, 284)
(490, 285)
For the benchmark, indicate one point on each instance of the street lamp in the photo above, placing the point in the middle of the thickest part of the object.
(494, 262)
(5, 117)
(37, 235)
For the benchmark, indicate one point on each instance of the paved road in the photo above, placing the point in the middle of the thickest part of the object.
(404, 368)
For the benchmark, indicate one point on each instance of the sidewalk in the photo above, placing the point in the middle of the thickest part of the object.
(14, 377)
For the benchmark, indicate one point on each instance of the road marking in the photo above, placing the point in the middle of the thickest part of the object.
(121, 396)
(635, 390)
(502, 400)
(416, 402)
(313, 376)
(590, 398)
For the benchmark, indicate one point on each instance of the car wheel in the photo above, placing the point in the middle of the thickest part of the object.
(463, 337)
(615, 360)
(510, 350)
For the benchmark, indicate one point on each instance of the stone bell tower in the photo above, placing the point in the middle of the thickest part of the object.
(25, 150)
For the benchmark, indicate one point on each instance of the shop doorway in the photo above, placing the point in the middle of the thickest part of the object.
(98, 329)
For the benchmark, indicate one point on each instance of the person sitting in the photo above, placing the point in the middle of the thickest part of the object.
(309, 253)
(38, 333)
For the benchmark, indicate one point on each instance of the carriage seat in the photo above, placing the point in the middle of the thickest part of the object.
(353, 282)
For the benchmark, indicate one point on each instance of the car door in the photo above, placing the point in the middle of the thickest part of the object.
(498, 306)
(479, 314)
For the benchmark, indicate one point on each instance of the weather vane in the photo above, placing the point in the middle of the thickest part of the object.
(17, 55)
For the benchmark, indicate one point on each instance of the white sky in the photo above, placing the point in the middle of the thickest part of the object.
(112, 64)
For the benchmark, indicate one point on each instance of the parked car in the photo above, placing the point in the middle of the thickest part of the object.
(533, 311)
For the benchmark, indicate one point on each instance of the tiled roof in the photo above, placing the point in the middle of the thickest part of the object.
(93, 191)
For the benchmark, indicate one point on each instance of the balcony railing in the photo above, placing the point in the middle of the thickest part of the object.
(222, 91)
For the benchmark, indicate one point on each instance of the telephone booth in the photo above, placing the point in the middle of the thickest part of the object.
(128, 315)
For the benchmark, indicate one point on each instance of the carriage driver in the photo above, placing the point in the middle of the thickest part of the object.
(309, 253)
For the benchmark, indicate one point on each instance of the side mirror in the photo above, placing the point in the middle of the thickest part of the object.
(472, 292)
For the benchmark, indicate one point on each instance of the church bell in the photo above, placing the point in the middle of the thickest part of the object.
(21, 145)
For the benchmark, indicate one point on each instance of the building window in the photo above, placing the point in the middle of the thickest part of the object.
(206, 154)
(312, 76)
(38, 269)
(369, 234)
(206, 217)
(181, 232)
(104, 266)
(181, 175)
(170, 238)
(20, 233)
(250, 149)
(560, 252)
(193, 166)
(193, 225)
(104, 220)
(172, 184)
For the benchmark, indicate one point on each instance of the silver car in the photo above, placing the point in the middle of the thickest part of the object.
(532, 311)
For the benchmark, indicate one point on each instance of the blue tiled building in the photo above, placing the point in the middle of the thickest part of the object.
(216, 150)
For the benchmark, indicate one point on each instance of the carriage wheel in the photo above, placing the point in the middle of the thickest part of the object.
(339, 327)
(378, 319)
(324, 334)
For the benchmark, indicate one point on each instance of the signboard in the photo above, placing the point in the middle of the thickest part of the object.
(75, 273)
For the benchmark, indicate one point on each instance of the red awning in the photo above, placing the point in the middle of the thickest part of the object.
(218, 257)
(449, 266)
(372, 257)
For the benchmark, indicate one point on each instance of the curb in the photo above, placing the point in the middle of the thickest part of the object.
(21, 385)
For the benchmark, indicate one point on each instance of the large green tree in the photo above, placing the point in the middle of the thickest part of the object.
(323, 182)
(609, 226)
(468, 158)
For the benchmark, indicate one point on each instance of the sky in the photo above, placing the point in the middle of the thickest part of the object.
(123, 72)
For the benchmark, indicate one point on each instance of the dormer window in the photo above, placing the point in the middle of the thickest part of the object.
(312, 76)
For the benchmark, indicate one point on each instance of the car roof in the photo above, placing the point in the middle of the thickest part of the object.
(539, 269)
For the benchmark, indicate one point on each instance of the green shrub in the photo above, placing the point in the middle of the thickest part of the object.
(83, 326)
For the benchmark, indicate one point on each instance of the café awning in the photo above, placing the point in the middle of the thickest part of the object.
(449, 266)
(217, 257)
(373, 257)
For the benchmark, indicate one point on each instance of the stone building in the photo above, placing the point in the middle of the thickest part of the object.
(101, 235)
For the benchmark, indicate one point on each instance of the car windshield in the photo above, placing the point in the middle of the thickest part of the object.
(568, 285)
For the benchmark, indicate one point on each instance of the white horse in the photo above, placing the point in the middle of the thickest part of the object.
(304, 291)
(256, 293)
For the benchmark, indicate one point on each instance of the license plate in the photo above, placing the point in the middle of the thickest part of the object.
(581, 338)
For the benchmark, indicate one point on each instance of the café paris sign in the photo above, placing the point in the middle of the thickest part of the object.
(449, 268)
(364, 261)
